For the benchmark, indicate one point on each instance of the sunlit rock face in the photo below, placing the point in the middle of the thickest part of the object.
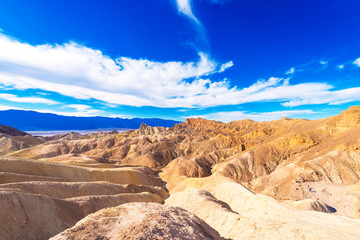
(141, 221)
(269, 157)
(348, 119)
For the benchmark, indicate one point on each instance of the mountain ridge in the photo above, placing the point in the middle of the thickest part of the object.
(36, 121)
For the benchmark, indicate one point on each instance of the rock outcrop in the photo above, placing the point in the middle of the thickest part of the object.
(147, 130)
(10, 144)
(11, 131)
(140, 221)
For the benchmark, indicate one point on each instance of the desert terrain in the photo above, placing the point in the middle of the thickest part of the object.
(201, 179)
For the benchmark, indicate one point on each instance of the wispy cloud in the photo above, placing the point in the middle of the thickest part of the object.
(184, 7)
(323, 62)
(290, 71)
(82, 110)
(262, 116)
(79, 107)
(15, 98)
(326, 97)
(225, 66)
(341, 66)
(4, 107)
(86, 113)
(89, 113)
(314, 65)
(357, 62)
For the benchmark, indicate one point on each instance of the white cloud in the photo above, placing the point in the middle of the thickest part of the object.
(225, 66)
(330, 97)
(184, 7)
(341, 66)
(357, 62)
(264, 116)
(3, 108)
(121, 116)
(14, 98)
(78, 107)
(82, 110)
(43, 93)
(88, 113)
(290, 71)
(323, 62)
(77, 71)
(83, 73)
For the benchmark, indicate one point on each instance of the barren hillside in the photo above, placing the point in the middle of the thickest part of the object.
(309, 170)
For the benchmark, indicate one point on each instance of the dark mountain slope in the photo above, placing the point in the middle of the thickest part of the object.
(33, 121)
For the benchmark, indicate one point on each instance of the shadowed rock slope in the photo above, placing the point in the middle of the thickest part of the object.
(11, 131)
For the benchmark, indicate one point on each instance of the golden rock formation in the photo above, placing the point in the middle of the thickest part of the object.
(296, 170)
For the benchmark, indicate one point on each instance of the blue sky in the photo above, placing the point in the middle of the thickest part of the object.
(224, 60)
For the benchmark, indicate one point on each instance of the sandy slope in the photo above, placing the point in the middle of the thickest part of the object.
(242, 214)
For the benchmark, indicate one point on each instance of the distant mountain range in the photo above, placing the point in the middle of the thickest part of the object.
(35, 121)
